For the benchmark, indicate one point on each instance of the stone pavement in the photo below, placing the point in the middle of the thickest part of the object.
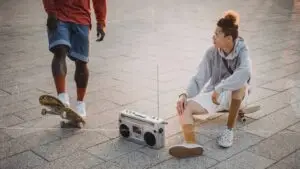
(140, 35)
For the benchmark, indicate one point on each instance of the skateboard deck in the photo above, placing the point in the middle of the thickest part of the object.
(241, 115)
(55, 107)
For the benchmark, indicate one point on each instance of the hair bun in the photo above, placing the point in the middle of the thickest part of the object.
(232, 16)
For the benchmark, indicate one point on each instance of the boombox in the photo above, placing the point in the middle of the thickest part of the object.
(142, 129)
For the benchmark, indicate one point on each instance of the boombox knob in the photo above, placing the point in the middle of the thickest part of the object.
(124, 130)
(161, 130)
(149, 139)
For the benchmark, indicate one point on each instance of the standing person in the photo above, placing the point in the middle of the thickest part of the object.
(68, 27)
(228, 67)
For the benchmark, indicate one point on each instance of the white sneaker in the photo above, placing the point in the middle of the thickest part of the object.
(186, 150)
(226, 138)
(80, 108)
(64, 98)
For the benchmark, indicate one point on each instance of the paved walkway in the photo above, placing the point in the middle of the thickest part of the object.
(140, 35)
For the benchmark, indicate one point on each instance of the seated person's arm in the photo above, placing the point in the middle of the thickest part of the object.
(239, 77)
(202, 76)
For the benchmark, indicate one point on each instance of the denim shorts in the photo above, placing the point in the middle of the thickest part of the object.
(75, 36)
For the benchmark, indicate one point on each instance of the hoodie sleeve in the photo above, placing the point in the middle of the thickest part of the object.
(202, 76)
(100, 8)
(49, 6)
(239, 77)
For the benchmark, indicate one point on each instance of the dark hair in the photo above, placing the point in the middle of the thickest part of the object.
(229, 24)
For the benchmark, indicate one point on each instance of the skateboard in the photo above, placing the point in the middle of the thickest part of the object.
(241, 115)
(55, 107)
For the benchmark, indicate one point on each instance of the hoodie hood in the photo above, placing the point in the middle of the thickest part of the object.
(238, 47)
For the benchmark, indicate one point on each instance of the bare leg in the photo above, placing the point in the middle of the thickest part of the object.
(226, 137)
(236, 100)
(187, 123)
(81, 78)
(59, 67)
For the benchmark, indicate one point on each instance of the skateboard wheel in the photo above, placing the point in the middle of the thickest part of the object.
(80, 125)
(62, 124)
(64, 115)
(44, 112)
(243, 119)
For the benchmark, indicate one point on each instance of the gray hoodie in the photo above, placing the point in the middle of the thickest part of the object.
(213, 69)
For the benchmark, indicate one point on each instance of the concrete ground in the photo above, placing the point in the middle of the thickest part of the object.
(140, 35)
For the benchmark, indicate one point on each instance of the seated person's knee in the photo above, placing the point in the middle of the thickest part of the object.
(239, 94)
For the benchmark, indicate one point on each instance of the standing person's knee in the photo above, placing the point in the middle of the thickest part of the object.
(60, 51)
(81, 66)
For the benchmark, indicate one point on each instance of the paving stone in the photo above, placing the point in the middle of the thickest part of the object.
(167, 98)
(10, 148)
(156, 156)
(83, 140)
(173, 126)
(242, 141)
(97, 120)
(200, 162)
(12, 100)
(282, 84)
(212, 128)
(269, 105)
(121, 98)
(285, 59)
(23, 160)
(30, 114)
(9, 120)
(99, 106)
(259, 93)
(279, 73)
(36, 139)
(278, 145)
(4, 137)
(143, 106)
(107, 165)
(3, 93)
(113, 149)
(50, 124)
(244, 160)
(178, 139)
(295, 127)
(292, 161)
(16, 107)
(110, 130)
(77, 160)
(277, 121)
(134, 160)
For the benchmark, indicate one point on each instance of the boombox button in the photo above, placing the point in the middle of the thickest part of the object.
(160, 130)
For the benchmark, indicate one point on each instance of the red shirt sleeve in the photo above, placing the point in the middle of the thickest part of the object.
(49, 6)
(100, 11)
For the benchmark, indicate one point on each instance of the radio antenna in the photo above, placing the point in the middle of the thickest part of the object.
(157, 78)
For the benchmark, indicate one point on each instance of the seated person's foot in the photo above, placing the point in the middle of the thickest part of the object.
(64, 98)
(186, 150)
(80, 108)
(225, 139)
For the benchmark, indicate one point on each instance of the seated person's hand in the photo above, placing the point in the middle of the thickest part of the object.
(181, 104)
(214, 98)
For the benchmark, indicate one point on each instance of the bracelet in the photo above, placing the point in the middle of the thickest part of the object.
(182, 94)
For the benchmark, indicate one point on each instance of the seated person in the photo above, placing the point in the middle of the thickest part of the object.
(227, 68)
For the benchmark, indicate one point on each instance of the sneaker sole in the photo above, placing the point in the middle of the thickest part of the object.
(183, 152)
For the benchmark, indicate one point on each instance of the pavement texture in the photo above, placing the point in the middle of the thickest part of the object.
(140, 35)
